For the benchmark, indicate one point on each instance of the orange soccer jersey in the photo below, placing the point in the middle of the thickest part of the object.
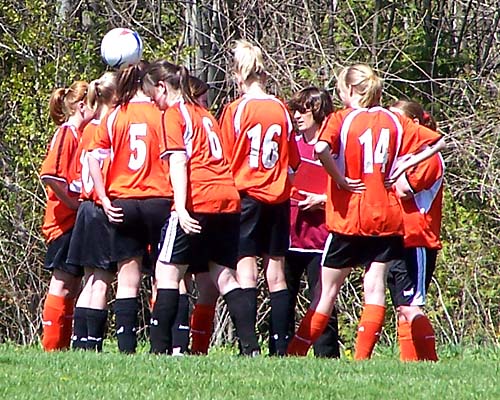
(131, 136)
(88, 134)
(193, 130)
(422, 212)
(257, 136)
(61, 164)
(366, 144)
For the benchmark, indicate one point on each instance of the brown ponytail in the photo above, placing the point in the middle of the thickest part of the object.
(63, 101)
(177, 78)
(129, 81)
(414, 110)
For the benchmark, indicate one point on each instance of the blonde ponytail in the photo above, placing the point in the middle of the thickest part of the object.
(364, 81)
(248, 62)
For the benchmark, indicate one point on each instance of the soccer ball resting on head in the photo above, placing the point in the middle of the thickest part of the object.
(121, 47)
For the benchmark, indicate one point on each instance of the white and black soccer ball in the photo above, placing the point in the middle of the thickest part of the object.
(121, 47)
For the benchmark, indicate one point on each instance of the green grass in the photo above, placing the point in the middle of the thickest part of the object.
(29, 373)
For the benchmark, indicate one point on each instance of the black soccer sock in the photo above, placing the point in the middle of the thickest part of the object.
(126, 324)
(96, 327)
(180, 330)
(79, 338)
(162, 320)
(241, 304)
(327, 344)
(278, 334)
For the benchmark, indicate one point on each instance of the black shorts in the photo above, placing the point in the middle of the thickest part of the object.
(91, 240)
(139, 233)
(409, 279)
(217, 242)
(345, 251)
(264, 228)
(57, 254)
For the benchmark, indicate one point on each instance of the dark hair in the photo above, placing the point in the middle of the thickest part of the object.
(318, 101)
(176, 76)
(63, 101)
(129, 81)
(414, 110)
(197, 86)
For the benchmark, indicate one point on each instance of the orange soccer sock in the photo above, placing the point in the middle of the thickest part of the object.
(423, 338)
(311, 327)
(53, 318)
(369, 329)
(406, 346)
(69, 308)
(201, 327)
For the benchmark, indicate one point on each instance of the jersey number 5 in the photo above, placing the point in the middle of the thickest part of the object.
(137, 146)
(270, 153)
(381, 153)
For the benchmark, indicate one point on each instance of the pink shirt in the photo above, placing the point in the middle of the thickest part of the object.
(308, 231)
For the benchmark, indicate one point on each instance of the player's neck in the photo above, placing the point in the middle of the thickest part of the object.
(254, 88)
(311, 134)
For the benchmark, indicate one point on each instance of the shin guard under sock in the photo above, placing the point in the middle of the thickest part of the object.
(369, 330)
(79, 338)
(327, 345)
(407, 351)
(126, 324)
(180, 330)
(240, 304)
(311, 327)
(96, 327)
(53, 317)
(201, 328)
(69, 307)
(162, 320)
(423, 338)
(278, 334)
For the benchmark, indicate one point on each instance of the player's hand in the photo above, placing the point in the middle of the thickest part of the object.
(312, 201)
(114, 214)
(352, 185)
(188, 224)
(391, 180)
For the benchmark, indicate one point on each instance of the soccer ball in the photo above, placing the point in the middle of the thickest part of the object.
(121, 47)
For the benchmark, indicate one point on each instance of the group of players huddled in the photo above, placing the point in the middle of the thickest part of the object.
(141, 177)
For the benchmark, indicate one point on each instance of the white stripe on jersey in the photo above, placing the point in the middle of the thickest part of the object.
(109, 125)
(425, 198)
(346, 124)
(188, 134)
(246, 99)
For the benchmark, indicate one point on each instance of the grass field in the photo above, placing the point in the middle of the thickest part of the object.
(28, 373)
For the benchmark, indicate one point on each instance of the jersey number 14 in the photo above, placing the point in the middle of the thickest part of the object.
(381, 153)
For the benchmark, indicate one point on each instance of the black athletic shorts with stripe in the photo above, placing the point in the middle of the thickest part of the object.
(217, 242)
(409, 279)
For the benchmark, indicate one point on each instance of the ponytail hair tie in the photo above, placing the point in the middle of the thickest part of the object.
(426, 116)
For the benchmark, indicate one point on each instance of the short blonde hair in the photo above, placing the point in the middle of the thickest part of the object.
(248, 61)
(364, 81)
